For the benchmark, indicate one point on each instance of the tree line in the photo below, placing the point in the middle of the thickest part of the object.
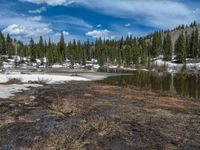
(127, 51)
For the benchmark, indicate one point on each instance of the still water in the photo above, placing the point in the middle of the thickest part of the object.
(170, 84)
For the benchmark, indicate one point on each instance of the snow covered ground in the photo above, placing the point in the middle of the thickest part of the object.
(169, 66)
(49, 79)
(174, 67)
(7, 91)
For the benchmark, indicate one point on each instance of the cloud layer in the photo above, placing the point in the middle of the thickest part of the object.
(93, 18)
(160, 13)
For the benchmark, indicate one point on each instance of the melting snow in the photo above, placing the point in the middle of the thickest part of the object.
(7, 91)
(49, 79)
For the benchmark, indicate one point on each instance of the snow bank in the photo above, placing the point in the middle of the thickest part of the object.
(57, 66)
(113, 67)
(10, 90)
(8, 65)
(49, 79)
(171, 67)
(193, 66)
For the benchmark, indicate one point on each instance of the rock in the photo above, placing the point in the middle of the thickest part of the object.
(32, 98)
(37, 120)
(11, 105)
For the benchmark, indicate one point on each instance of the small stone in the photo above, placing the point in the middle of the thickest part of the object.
(38, 119)
(11, 105)
(26, 103)
(32, 98)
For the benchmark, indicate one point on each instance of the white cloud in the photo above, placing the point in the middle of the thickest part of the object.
(99, 26)
(78, 22)
(127, 25)
(15, 30)
(65, 33)
(18, 30)
(69, 20)
(106, 34)
(35, 18)
(37, 11)
(155, 13)
(49, 2)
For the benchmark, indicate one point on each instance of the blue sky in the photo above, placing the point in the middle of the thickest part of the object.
(90, 19)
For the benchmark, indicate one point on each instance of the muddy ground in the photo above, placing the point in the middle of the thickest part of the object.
(91, 115)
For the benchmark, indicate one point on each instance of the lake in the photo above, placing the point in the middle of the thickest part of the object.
(186, 85)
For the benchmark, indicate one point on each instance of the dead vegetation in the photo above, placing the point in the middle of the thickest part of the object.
(88, 115)
(14, 81)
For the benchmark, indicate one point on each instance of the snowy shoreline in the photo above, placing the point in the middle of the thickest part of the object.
(8, 90)
(49, 79)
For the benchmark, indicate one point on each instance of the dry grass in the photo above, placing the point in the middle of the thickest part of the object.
(87, 115)
(14, 81)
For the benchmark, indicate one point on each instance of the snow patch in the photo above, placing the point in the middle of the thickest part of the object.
(8, 65)
(49, 79)
(10, 90)
(57, 66)
(171, 67)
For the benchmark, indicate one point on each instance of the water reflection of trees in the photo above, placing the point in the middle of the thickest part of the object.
(182, 84)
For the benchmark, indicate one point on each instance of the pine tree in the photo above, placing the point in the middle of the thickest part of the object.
(193, 52)
(196, 41)
(187, 46)
(40, 52)
(2, 44)
(167, 48)
(49, 53)
(156, 44)
(62, 48)
(9, 46)
(180, 49)
(32, 47)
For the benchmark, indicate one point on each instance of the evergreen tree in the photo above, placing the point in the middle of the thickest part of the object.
(2, 44)
(167, 48)
(193, 52)
(32, 47)
(156, 44)
(41, 49)
(9, 46)
(187, 46)
(62, 48)
(180, 49)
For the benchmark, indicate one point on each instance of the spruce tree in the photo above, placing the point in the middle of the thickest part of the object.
(156, 44)
(180, 49)
(187, 46)
(2, 44)
(32, 47)
(40, 52)
(9, 47)
(194, 49)
(167, 48)
(62, 48)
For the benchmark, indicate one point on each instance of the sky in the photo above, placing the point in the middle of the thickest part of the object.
(91, 19)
